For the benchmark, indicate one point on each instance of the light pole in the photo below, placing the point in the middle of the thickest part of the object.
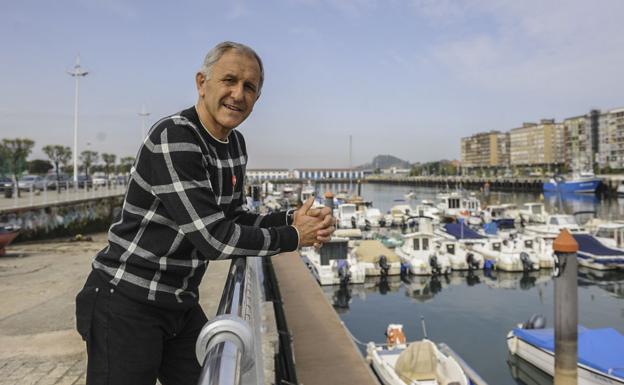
(143, 114)
(77, 73)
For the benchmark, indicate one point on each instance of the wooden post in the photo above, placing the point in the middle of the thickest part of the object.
(566, 310)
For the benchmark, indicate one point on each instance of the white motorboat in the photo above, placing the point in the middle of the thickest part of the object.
(600, 351)
(418, 253)
(508, 255)
(307, 191)
(472, 211)
(553, 226)
(376, 259)
(427, 209)
(410, 195)
(346, 216)
(459, 257)
(533, 212)
(541, 246)
(371, 217)
(503, 215)
(400, 214)
(417, 363)
(594, 254)
(450, 204)
(611, 234)
(332, 264)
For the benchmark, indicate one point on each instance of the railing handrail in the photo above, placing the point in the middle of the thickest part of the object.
(222, 364)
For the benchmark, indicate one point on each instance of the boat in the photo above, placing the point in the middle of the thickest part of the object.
(553, 226)
(376, 259)
(584, 182)
(307, 191)
(508, 255)
(7, 234)
(458, 256)
(371, 217)
(611, 234)
(332, 264)
(346, 216)
(450, 205)
(594, 254)
(532, 212)
(418, 254)
(417, 363)
(399, 214)
(504, 215)
(429, 210)
(600, 351)
(620, 189)
(410, 195)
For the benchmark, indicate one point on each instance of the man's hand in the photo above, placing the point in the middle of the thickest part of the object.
(315, 226)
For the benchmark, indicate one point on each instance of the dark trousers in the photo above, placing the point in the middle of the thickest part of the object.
(130, 343)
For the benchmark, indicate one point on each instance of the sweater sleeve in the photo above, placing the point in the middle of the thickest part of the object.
(179, 176)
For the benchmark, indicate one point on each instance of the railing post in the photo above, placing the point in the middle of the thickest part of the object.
(566, 310)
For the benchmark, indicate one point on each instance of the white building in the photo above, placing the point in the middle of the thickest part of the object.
(327, 173)
(262, 174)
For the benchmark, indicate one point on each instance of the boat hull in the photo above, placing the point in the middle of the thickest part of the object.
(545, 361)
(5, 239)
(588, 186)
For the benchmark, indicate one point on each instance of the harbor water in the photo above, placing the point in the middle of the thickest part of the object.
(473, 313)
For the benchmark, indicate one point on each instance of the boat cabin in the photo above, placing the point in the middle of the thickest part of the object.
(336, 249)
(611, 234)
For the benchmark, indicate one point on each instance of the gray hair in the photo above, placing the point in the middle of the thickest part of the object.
(215, 54)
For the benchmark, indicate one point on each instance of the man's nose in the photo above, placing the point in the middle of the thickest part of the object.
(237, 91)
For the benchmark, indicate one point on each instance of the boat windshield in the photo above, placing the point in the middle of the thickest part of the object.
(606, 233)
(567, 220)
(536, 209)
(347, 209)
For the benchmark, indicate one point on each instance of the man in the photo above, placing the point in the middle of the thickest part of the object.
(138, 311)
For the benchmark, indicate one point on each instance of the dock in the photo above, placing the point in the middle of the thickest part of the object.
(324, 350)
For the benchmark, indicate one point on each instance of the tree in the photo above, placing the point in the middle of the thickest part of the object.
(88, 158)
(59, 155)
(109, 163)
(39, 166)
(125, 164)
(15, 151)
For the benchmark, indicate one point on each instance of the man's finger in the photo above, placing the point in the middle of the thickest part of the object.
(326, 231)
(314, 213)
(307, 204)
(323, 239)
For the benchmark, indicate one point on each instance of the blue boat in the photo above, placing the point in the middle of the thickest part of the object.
(594, 254)
(581, 183)
(600, 352)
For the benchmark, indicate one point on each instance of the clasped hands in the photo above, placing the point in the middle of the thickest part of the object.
(315, 226)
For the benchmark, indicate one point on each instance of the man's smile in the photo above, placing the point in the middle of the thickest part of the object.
(232, 107)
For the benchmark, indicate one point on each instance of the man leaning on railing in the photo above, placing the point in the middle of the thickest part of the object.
(138, 311)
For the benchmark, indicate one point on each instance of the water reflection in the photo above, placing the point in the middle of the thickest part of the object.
(611, 281)
(341, 296)
(526, 374)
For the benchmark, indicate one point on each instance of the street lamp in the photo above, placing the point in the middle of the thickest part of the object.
(143, 114)
(77, 73)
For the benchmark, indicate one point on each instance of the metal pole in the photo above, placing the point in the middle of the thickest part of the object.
(77, 73)
(566, 310)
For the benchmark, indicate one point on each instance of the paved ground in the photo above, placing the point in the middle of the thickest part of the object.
(38, 285)
(28, 199)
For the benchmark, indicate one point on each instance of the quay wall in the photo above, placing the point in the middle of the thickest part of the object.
(63, 219)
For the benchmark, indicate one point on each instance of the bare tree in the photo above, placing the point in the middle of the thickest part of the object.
(15, 151)
(59, 155)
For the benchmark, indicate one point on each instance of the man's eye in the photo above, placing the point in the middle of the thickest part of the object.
(229, 80)
(250, 87)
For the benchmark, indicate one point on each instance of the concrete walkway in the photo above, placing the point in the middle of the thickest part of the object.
(325, 354)
(39, 282)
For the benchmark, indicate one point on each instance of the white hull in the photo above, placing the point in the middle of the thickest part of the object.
(545, 361)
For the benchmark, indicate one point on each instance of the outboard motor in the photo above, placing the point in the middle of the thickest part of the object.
(472, 262)
(343, 272)
(537, 321)
(382, 222)
(353, 223)
(435, 266)
(527, 265)
(367, 225)
(383, 265)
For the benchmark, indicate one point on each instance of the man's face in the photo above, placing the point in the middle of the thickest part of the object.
(229, 95)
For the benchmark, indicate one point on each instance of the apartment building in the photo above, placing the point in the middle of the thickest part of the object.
(611, 139)
(485, 149)
(579, 142)
(537, 144)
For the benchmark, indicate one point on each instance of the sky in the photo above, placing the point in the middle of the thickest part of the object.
(402, 77)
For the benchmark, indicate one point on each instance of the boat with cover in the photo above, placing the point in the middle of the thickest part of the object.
(594, 254)
(332, 264)
(376, 259)
(533, 212)
(459, 257)
(417, 363)
(7, 234)
(600, 351)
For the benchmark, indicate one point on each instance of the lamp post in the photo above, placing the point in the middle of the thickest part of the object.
(143, 114)
(76, 73)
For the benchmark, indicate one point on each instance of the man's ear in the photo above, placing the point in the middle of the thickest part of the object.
(200, 78)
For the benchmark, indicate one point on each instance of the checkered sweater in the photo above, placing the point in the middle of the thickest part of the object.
(185, 206)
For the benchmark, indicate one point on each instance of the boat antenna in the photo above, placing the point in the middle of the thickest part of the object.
(424, 327)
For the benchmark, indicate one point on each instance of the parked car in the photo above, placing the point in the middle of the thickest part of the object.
(27, 182)
(99, 180)
(49, 182)
(6, 186)
(83, 179)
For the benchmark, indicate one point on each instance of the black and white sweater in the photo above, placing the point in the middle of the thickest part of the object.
(184, 206)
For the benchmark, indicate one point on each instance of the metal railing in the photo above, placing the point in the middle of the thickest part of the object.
(229, 347)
